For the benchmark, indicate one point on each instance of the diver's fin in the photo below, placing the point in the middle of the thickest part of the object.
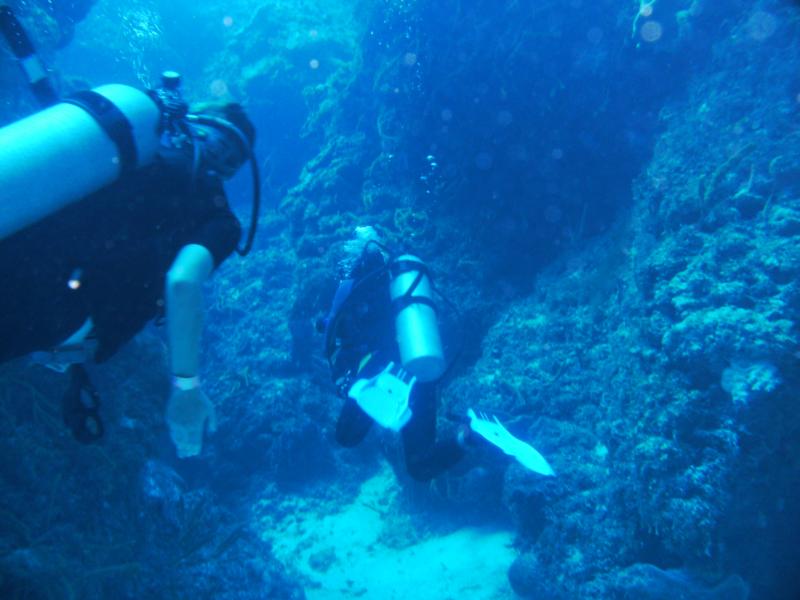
(385, 397)
(493, 431)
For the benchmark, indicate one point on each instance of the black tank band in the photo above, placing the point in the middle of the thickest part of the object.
(111, 120)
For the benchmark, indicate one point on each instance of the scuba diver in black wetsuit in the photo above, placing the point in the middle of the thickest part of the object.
(383, 345)
(113, 214)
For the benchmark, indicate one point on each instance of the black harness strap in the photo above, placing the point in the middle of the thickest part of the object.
(111, 120)
(404, 266)
(408, 298)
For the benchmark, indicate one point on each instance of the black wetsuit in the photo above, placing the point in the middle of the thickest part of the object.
(119, 244)
(361, 345)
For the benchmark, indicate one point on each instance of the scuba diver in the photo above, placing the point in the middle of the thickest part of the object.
(114, 214)
(386, 358)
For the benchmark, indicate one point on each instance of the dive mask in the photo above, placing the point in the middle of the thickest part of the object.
(220, 148)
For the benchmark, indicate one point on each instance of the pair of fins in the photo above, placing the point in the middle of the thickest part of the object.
(385, 398)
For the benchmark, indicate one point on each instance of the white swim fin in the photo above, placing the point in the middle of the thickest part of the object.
(385, 397)
(495, 433)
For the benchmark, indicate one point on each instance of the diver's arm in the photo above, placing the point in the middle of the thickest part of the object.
(184, 298)
(188, 409)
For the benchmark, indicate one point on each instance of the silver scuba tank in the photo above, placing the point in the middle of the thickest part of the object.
(67, 151)
(416, 327)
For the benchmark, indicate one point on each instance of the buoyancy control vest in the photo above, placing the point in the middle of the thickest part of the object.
(414, 310)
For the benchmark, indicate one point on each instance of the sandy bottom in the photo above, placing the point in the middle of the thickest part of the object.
(365, 550)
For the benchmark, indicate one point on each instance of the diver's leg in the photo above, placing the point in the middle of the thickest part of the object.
(353, 424)
(425, 458)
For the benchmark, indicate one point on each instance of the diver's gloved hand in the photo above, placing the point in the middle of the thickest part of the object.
(188, 410)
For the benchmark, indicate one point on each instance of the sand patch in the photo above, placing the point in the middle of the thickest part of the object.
(363, 550)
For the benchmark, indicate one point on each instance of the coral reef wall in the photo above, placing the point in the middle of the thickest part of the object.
(645, 334)
(491, 136)
(657, 355)
(659, 361)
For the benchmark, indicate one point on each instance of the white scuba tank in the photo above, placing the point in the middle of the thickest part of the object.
(62, 154)
(415, 320)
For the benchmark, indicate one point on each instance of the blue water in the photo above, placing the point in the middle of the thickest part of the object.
(608, 196)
